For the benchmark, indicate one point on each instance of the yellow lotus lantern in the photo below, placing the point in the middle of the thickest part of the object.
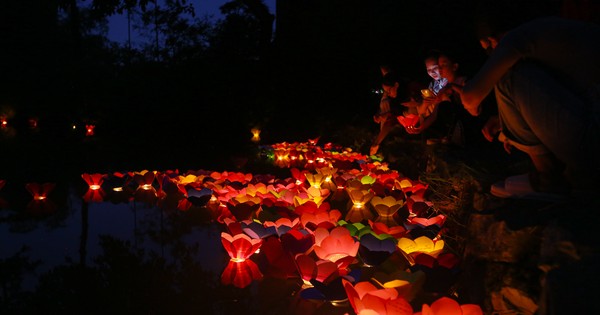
(359, 210)
(315, 180)
(328, 173)
(422, 244)
(386, 208)
(255, 135)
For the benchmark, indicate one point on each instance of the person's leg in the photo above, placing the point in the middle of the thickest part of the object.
(543, 118)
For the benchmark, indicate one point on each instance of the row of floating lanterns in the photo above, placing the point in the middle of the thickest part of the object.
(352, 230)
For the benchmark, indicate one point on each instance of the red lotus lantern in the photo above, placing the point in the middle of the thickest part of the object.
(40, 203)
(240, 270)
(95, 193)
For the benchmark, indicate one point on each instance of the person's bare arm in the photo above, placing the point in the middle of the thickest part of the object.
(476, 89)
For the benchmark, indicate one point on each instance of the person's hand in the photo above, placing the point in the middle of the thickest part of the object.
(373, 150)
(411, 103)
(376, 119)
(491, 128)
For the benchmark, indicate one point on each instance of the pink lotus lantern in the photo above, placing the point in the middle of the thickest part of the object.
(448, 306)
(365, 298)
(240, 270)
(94, 192)
(386, 208)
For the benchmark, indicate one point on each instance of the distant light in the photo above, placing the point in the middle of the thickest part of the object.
(118, 189)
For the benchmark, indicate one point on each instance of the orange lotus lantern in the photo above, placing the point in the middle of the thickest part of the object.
(282, 157)
(3, 121)
(445, 306)
(95, 193)
(328, 173)
(240, 270)
(386, 208)
(366, 298)
(359, 210)
(255, 135)
(315, 180)
(337, 246)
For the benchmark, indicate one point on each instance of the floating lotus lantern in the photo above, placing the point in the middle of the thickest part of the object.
(279, 263)
(145, 192)
(320, 270)
(40, 203)
(328, 173)
(420, 245)
(380, 228)
(313, 215)
(366, 298)
(315, 180)
(117, 185)
(359, 210)
(408, 284)
(445, 306)
(337, 246)
(89, 130)
(297, 241)
(283, 225)
(240, 270)
(374, 250)
(243, 207)
(255, 135)
(356, 229)
(386, 208)
(3, 121)
(282, 157)
(95, 193)
(256, 229)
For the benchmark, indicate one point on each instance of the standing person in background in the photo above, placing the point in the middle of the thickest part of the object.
(385, 117)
